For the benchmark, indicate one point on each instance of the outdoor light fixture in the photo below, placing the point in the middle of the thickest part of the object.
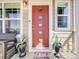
(25, 2)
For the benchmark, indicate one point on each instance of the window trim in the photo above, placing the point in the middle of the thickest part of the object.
(68, 20)
(4, 18)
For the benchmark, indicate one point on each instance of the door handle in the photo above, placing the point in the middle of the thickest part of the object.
(32, 27)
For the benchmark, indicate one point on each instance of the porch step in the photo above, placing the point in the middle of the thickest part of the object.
(68, 55)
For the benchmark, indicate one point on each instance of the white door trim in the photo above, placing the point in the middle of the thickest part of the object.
(49, 3)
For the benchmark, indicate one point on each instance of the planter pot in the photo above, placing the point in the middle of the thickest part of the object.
(22, 51)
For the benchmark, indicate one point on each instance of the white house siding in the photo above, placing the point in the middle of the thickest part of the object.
(25, 22)
(77, 26)
(39, 1)
(11, 1)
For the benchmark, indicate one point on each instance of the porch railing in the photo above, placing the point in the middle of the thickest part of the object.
(69, 44)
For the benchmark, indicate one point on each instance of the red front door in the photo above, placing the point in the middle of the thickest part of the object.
(40, 26)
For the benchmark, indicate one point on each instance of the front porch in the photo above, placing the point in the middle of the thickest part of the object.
(60, 22)
(32, 55)
(67, 51)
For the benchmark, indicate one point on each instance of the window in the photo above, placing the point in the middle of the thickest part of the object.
(62, 14)
(62, 8)
(12, 26)
(0, 18)
(0, 12)
(12, 12)
(62, 21)
(62, 11)
(10, 18)
(0, 26)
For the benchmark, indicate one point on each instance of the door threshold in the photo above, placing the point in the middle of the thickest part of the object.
(41, 48)
(46, 49)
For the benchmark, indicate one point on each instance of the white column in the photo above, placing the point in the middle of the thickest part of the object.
(21, 16)
(51, 23)
(75, 39)
(3, 16)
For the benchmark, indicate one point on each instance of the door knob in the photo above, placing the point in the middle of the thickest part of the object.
(32, 27)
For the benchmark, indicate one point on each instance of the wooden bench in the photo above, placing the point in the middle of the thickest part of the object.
(7, 45)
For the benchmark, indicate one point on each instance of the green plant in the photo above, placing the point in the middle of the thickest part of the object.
(57, 46)
(56, 43)
(21, 45)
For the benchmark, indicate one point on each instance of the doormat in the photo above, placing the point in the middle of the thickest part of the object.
(41, 55)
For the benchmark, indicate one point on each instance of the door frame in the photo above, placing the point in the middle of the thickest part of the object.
(49, 3)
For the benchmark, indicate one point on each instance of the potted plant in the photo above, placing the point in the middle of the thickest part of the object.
(57, 46)
(21, 45)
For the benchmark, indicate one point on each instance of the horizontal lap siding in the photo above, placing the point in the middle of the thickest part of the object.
(77, 26)
(13, 1)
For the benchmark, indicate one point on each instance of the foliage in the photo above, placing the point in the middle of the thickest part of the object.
(20, 42)
(56, 43)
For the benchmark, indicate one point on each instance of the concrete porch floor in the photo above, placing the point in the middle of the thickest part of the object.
(31, 55)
